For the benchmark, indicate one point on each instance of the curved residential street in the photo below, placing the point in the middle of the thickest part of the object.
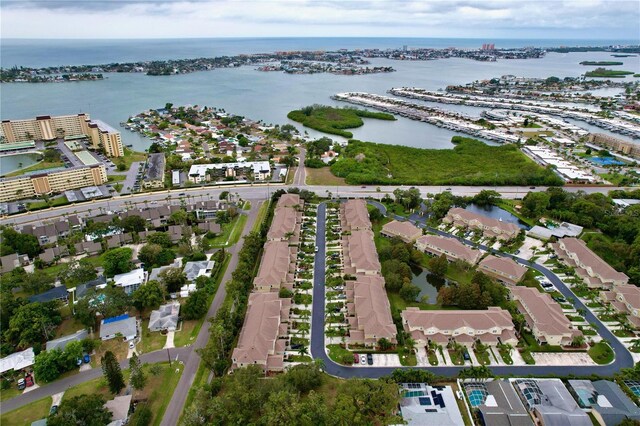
(622, 359)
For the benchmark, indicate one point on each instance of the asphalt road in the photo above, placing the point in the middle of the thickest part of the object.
(84, 376)
(299, 179)
(179, 397)
(255, 192)
(623, 358)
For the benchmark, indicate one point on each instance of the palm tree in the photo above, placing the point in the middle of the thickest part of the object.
(303, 351)
(578, 341)
(410, 343)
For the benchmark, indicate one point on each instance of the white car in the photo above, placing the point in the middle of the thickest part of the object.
(132, 345)
(363, 360)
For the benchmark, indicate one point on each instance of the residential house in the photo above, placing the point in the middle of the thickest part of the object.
(166, 317)
(210, 226)
(130, 281)
(406, 231)
(503, 269)
(544, 316)
(277, 267)
(285, 225)
(119, 408)
(491, 326)
(50, 254)
(550, 402)
(612, 406)
(202, 268)
(565, 229)
(369, 312)
(264, 335)
(82, 289)
(88, 247)
(252, 170)
(61, 342)
(589, 266)
(423, 404)
(450, 247)
(501, 406)
(56, 293)
(490, 227)
(13, 261)
(123, 325)
(625, 299)
(290, 200)
(354, 215)
(360, 255)
(17, 361)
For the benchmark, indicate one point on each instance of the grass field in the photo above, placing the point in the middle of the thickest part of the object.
(200, 379)
(159, 390)
(601, 353)
(35, 167)
(323, 176)
(129, 157)
(470, 162)
(334, 120)
(230, 232)
(150, 340)
(27, 414)
(58, 201)
(605, 73)
(262, 214)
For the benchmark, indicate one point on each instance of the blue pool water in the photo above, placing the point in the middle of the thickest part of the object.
(476, 397)
(606, 161)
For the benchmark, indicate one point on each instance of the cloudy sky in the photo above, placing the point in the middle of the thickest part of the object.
(583, 19)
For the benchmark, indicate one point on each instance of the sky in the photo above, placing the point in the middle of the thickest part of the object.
(81, 19)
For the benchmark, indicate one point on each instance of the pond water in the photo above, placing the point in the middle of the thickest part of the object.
(11, 163)
(428, 283)
(496, 213)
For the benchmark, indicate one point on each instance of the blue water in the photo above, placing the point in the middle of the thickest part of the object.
(496, 213)
(39, 53)
(606, 161)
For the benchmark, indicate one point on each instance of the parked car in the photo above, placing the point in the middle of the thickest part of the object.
(53, 410)
(28, 380)
(466, 356)
(132, 345)
(87, 359)
(21, 384)
(369, 359)
(79, 362)
(363, 359)
(356, 358)
(316, 249)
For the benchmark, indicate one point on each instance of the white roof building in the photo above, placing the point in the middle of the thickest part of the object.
(17, 361)
(131, 281)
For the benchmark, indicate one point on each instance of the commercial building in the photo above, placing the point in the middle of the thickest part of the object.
(277, 267)
(589, 266)
(544, 316)
(450, 247)
(422, 404)
(52, 181)
(503, 269)
(369, 311)
(625, 299)
(491, 326)
(615, 144)
(490, 227)
(263, 338)
(354, 215)
(154, 173)
(252, 170)
(406, 231)
(49, 128)
(550, 402)
(497, 403)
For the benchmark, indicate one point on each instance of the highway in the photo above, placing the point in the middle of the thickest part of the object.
(623, 358)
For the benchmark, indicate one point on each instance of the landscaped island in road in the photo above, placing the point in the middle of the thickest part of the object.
(605, 73)
(470, 162)
(334, 120)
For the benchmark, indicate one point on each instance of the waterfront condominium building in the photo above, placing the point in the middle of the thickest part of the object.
(46, 127)
(450, 247)
(406, 231)
(54, 181)
(503, 269)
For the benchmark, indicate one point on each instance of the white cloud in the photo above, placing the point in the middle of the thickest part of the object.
(253, 18)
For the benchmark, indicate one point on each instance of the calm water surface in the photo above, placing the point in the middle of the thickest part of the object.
(245, 91)
(12, 163)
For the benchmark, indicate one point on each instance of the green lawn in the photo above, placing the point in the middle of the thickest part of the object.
(27, 414)
(116, 178)
(230, 232)
(470, 162)
(262, 214)
(129, 157)
(151, 340)
(456, 358)
(334, 120)
(11, 392)
(42, 165)
(484, 358)
(55, 202)
(199, 380)
(159, 390)
(336, 352)
(601, 353)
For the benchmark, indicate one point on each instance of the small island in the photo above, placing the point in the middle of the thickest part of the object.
(605, 73)
(334, 120)
(601, 63)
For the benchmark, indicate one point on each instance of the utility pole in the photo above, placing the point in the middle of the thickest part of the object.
(169, 356)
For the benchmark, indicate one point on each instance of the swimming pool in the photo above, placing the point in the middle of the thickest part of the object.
(606, 161)
(634, 386)
(413, 394)
(477, 394)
